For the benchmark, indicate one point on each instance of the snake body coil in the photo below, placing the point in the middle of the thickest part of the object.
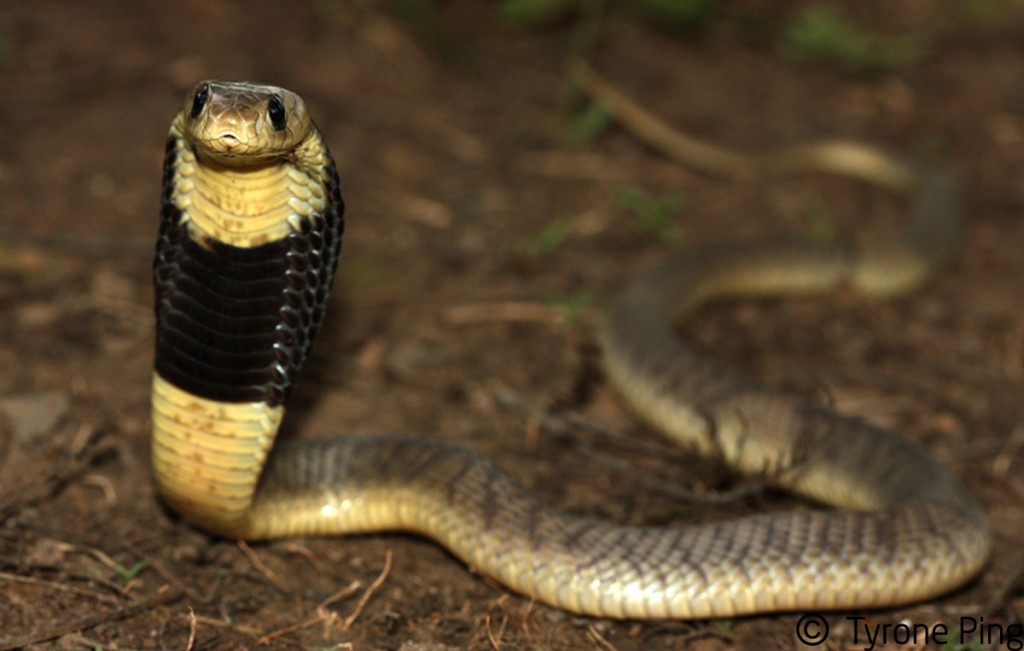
(249, 240)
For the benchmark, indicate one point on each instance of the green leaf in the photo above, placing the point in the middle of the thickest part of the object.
(676, 15)
(654, 213)
(586, 126)
(550, 238)
(572, 307)
(536, 13)
(125, 575)
(823, 35)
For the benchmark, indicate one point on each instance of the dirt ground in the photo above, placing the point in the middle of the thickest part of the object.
(453, 148)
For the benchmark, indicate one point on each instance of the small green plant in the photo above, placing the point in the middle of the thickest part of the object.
(823, 229)
(954, 643)
(5, 47)
(550, 238)
(727, 625)
(980, 11)
(573, 306)
(428, 26)
(537, 13)
(823, 35)
(587, 125)
(654, 213)
(676, 15)
(680, 16)
(125, 575)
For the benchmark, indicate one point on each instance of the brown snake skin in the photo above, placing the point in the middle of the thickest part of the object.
(250, 189)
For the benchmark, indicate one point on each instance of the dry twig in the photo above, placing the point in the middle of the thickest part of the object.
(1011, 448)
(596, 636)
(191, 629)
(91, 621)
(517, 311)
(328, 617)
(369, 592)
(79, 456)
(261, 566)
(294, 628)
(852, 159)
(495, 640)
(53, 585)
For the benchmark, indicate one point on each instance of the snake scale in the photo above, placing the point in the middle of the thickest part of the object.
(249, 239)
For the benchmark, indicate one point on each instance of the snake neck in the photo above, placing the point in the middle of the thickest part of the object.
(208, 455)
(246, 256)
(248, 203)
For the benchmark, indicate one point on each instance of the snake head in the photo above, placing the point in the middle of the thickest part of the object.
(237, 122)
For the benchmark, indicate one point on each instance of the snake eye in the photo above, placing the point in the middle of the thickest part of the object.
(275, 109)
(199, 101)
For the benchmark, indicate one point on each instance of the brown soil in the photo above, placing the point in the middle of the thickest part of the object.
(452, 163)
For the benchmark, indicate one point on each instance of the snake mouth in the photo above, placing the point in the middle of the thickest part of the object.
(228, 140)
(228, 145)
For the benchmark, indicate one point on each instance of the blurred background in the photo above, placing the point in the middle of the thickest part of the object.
(491, 211)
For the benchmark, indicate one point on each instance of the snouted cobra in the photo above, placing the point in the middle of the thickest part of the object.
(249, 239)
